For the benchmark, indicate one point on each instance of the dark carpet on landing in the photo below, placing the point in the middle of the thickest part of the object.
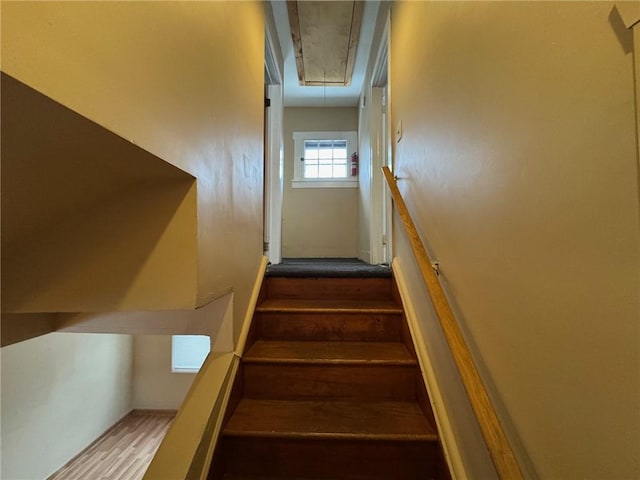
(326, 267)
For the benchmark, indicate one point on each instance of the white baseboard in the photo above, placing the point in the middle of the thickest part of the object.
(447, 437)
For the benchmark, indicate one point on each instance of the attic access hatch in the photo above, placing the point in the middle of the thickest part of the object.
(325, 38)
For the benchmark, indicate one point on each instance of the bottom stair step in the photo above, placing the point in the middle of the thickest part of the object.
(330, 439)
(318, 459)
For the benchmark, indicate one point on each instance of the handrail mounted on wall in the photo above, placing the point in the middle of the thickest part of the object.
(499, 448)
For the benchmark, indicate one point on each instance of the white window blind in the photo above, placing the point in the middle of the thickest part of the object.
(188, 352)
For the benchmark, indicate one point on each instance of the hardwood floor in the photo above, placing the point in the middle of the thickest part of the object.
(123, 453)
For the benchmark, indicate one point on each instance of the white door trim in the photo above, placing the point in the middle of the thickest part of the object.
(380, 226)
(274, 144)
(274, 174)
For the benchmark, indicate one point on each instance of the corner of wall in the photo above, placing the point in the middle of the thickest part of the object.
(79, 384)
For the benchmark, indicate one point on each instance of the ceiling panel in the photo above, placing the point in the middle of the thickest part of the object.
(325, 38)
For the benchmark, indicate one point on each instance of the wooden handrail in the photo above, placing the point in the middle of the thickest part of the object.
(499, 448)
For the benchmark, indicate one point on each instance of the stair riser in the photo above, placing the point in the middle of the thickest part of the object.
(330, 288)
(281, 381)
(330, 327)
(331, 459)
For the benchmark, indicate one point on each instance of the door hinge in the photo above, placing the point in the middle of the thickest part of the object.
(267, 102)
(265, 246)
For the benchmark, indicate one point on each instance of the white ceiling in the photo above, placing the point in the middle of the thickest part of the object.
(296, 95)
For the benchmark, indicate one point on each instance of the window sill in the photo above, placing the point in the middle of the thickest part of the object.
(351, 182)
(185, 370)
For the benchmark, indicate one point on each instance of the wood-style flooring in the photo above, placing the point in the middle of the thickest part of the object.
(123, 453)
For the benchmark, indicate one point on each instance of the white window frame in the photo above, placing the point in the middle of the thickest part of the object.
(176, 360)
(298, 153)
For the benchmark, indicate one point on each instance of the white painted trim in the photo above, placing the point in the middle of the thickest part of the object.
(298, 152)
(334, 183)
(273, 61)
(380, 227)
(377, 188)
(244, 331)
(274, 174)
(388, 204)
(447, 437)
(380, 76)
(274, 140)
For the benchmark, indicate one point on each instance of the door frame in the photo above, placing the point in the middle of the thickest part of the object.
(273, 148)
(381, 213)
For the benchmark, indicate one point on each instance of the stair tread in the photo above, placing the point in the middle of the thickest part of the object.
(332, 306)
(329, 352)
(323, 326)
(341, 419)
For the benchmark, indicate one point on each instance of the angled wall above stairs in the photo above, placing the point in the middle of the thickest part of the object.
(184, 82)
(90, 222)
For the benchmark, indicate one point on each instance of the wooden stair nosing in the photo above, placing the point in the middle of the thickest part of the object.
(281, 381)
(352, 436)
(329, 353)
(355, 327)
(328, 361)
(329, 306)
(332, 418)
(327, 288)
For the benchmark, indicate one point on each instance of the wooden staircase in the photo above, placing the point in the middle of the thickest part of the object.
(329, 388)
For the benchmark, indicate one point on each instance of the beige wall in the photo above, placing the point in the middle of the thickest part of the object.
(154, 385)
(123, 255)
(518, 163)
(59, 393)
(166, 80)
(458, 428)
(318, 222)
(89, 220)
